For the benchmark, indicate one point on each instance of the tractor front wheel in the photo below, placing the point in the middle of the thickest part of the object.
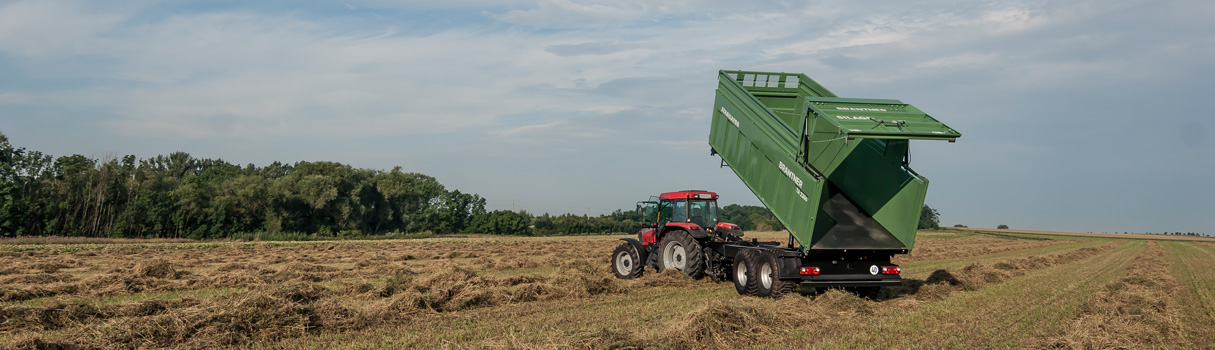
(681, 252)
(626, 261)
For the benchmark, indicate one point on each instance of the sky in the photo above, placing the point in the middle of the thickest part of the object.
(1084, 116)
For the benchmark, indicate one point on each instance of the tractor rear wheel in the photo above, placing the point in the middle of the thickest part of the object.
(626, 261)
(768, 276)
(681, 252)
(743, 273)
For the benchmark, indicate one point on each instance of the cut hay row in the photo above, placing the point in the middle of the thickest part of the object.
(33, 275)
(936, 250)
(1192, 267)
(269, 312)
(1009, 314)
(940, 283)
(748, 321)
(1132, 312)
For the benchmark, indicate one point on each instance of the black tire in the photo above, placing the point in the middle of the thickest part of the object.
(681, 252)
(743, 273)
(768, 274)
(626, 262)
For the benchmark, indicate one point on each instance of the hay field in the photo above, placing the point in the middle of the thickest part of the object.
(1092, 234)
(964, 290)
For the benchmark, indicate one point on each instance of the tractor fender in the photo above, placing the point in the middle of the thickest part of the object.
(693, 230)
(642, 253)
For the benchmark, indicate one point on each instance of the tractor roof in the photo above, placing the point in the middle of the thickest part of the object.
(688, 194)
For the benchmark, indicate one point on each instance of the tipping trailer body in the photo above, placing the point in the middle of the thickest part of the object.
(835, 171)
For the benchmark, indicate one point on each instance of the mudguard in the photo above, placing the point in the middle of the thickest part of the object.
(695, 230)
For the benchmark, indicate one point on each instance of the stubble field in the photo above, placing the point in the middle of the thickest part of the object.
(964, 289)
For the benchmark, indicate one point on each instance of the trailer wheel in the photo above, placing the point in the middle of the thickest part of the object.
(681, 252)
(626, 262)
(768, 276)
(743, 273)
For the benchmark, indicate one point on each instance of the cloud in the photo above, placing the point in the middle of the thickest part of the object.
(12, 98)
(964, 60)
(590, 48)
(252, 75)
(249, 74)
(570, 13)
(51, 30)
(602, 84)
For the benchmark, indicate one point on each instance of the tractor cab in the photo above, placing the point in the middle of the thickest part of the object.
(692, 211)
(683, 207)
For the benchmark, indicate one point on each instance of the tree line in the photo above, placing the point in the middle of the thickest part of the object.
(180, 196)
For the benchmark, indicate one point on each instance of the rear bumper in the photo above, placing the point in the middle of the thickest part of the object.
(828, 281)
(836, 284)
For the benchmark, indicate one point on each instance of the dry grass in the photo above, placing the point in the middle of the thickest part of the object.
(475, 292)
(973, 245)
(941, 283)
(1133, 312)
(1098, 234)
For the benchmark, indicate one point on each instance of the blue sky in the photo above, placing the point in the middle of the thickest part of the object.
(1077, 115)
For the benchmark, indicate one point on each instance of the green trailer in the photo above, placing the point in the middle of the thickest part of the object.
(835, 171)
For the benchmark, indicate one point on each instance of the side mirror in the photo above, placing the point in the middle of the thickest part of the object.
(644, 206)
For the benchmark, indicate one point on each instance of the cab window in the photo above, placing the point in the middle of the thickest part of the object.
(703, 213)
(679, 213)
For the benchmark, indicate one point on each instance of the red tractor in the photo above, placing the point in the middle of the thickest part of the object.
(678, 229)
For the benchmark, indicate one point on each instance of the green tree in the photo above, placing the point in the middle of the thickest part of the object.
(544, 225)
(451, 212)
(502, 222)
(1002, 227)
(929, 218)
(405, 197)
(10, 206)
(750, 217)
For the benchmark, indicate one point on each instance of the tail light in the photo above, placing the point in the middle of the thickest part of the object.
(810, 271)
(891, 270)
